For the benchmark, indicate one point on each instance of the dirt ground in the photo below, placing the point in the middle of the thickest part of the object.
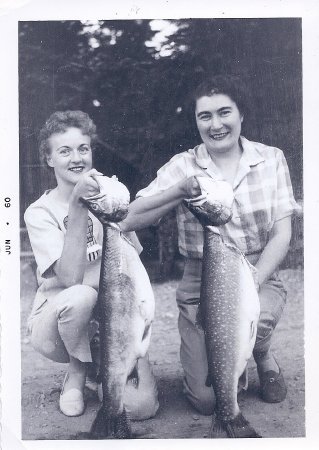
(41, 378)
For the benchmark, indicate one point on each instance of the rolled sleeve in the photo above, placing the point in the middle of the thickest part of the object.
(286, 204)
(167, 176)
(46, 238)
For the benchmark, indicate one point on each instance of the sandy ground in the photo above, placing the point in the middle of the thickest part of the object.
(41, 378)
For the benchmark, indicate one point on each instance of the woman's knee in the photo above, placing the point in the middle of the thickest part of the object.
(80, 299)
(46, 340)
(266, 325)
(272, 301)
(83, 292)
(202, 398)
(204, 405)
(265, 328)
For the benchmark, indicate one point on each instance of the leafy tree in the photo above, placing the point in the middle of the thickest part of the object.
(138, 94)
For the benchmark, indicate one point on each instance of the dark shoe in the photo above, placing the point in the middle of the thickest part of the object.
(272, 386)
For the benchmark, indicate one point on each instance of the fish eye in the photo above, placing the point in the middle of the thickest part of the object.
(94, 206)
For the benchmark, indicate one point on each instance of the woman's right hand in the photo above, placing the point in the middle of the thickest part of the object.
(87, 186)
(190, 187)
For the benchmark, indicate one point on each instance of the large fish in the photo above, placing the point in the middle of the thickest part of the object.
(229, 309)
(126, 309)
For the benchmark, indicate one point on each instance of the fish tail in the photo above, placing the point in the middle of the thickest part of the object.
(236, 428)
(106, 426)
(217, 431)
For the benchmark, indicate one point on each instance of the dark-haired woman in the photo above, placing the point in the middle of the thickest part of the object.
(260, 226)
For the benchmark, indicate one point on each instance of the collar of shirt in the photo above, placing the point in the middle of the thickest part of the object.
(250, 157)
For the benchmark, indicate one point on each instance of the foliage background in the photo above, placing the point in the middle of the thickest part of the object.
(136, 88)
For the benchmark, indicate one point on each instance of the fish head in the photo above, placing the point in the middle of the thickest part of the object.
(214, 206)
(111, 203)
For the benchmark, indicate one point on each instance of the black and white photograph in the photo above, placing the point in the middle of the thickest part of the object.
(154, 222)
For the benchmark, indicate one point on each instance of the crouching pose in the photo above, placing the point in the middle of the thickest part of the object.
(260, 227)
(66, 240)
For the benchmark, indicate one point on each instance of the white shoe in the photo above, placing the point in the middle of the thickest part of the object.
(72, 401)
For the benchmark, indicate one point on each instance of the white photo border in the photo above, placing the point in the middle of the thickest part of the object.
(11, 12)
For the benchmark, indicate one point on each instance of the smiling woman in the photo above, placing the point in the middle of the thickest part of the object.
(60, 122)
(219, 121)
(260, 227)
(66, 240)
(70, 156)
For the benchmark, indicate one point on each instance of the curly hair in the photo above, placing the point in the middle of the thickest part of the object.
(59, 122)
(230, 85)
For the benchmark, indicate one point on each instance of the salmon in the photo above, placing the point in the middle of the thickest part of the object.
(126, 309)
(229, 309)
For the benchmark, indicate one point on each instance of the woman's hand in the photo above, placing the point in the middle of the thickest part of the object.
(275, 250)
(146, 211)
(190, 187)
(87, 186)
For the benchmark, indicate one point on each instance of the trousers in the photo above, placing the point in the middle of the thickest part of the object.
(272, 296)
(64, 325)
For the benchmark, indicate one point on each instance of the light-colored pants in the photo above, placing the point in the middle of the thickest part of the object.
(64, 326)
(272, 296)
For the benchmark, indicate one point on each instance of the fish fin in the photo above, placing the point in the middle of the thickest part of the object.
(236, 428)
(253, 329)
(240, 428)
(209, 381)
(217, 431)
(243, 380)
(146, 331)
(133, 377)
(111, 427)
(143, 343)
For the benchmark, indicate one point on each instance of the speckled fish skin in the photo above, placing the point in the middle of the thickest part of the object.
(126, 311)
(229, 307)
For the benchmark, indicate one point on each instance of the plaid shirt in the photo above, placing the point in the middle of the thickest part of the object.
(262, 189)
